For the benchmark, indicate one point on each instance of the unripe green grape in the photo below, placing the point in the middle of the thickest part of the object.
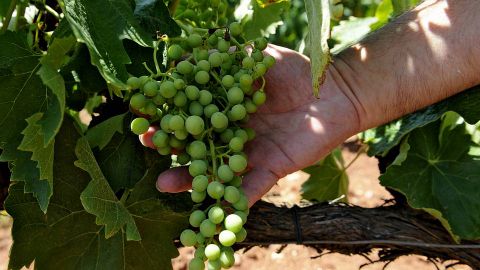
(228, 81)
(196, 218)
(192, 92)
(237, 163)
(150, 88)
(200, 183)
(225, 173)
(227, 258)
(201, 55)
(138, 101)
(212, 252)
(216, 215)
(250, 106)
(176, 122)
(160, 138)
(235, 95)
(227, 135)
(174, 52)
(251, 133)
(269, 61)
(227, 238)
(205, 97)
(198, 150)
(259, 70)
(214, 265)
(179, 84)
(139, 125)
(180, 99)
(261, 43)
(223, 45)
(208, 228)
(183, 158)
(246, 80)
(233, 223)
(210, 109)
(215, 190)
(194, 125)
(149, 109)
(215, 59)
(239, 74)
(200, 239)
(259, 98)
(232, 195)
(202, 77)
(189, 14)
(195, 108)
(242, 203)
(219, 33)
(241, 134)
(194, 40)
(204, 65)
(200, 251)
(242, 214)
(212, 40)
(257, 55)
(184, 67)
(181, 134)
(236, 144)
(219, 120)
(165, 123)
(235, 29)
(176, 143)
(197, 167)
(134, 83)
(236, 182)
(196, 264)
(241, 235)
(238, 112)
(165, 151)
(198, 197)
(167, 89)
(188, 238)
(159, 99)
(248, 62)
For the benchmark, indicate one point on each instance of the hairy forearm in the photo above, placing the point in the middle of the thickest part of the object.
(424, 56)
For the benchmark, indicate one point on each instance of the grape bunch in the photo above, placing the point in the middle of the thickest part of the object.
(201, 105)
(204, 13)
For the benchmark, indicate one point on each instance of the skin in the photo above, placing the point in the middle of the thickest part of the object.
(411, 63)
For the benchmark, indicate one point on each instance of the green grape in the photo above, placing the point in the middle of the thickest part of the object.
(216, 215)
(150, 88)
(174, 52)
(215, 59)
(242, 215)
(219, 33)
(150, 108)
(214, 265)
(212, 40)
(235, 95)
(238, 112)
(176, 143)
(236, 182)
(158, 99)
(202, 77)
(215, 189)
(242, 134)
(183, 158)
(241, 235)
(227, 258)
(257, 55)
(196, 264)
(219, 120)
(139, 125)
(227, 135)
(194, 125)
(201, 55)
(179, 84)
(198, 197)
(196, 218)
(261, 43)
(232, 195)
(200, 251)
(205, 97)
(165, 151)
(259, 98)
(197, 167)
(242, 204)
(269, 61)
(195, 108)
(200, 183)
(228, 81)
(197, 150)
(251, 133)
(227, 238)
(185, 67)
(248, 62)
(180, 99)
(165, 123)
(192, 92)
(246, 80)
(188, 238)
(225, 173)
(181, 134)
(208, 228)
(176, 122)
(160, 138)
(259, 70)
(237, 163)
(138, 101)
(233, 223)
(194, 40)
(235, 29)
(223, 45)
(210, 109)
(238, 74)
(212, 252)
(134, 83)
(204, 65)
(236, 144)
(167, 89)
(250, 106)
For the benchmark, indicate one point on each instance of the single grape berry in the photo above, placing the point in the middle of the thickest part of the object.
(200, 183)
(261, 43)
(210, 109)
(174, 52)
(233, 223)
(215, 59)
(179, 84)
(139, 125)
(246, 80)
(238, 112)
(185, 67)
(188, 238)
(180, 99)
(235, 28)
(134, 83)
(165, 123)
(197, 150)
(194, 125)
(228, 81)
(259, 98)
(176, 122)
(197, 167)
(208, 228)
(196, 218)
(241, 134)
(269, 61)
(232, 195)
(242, 204)
(236, 144)
(167, 89)
(205, 97)
(212, 252)
(216, 214)
(214, 265)
(183, 158)
(201, 55)
(198, 197)
(227, 258)
(223, 45)
(227, 135)
(225, 173)
(192, 92)
(248, 62)
(196, 264)
(203, 65)
(195, 108)
(194, 40)
(150, 88)
(215, 190)
(159, 99)
(257, 55)
(202, 77)
(137, 101)
(219, 120)
(237, 163)
(160, 138)
(235, 95)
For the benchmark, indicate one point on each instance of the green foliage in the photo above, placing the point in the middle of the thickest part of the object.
(264, 19)
(101, 134)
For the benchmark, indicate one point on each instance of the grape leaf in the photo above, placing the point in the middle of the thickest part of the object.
(318, 14)
(99, 199)
(328, 179)
(350, 31)
(68, 237)
(4, 8)
(384, 138)
(154, 16)
(437, 173)
(101, 134)
(264, 20)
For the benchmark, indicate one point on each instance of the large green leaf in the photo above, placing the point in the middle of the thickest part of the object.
(382, 139)
(101, 134)
(154, 16)
(437, 173)
(328, 179)
(264, 20)
(68, 238)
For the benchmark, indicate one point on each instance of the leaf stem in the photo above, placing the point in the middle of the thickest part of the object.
(52, 11)
(155, 60)
(213, 156)
(8, 17)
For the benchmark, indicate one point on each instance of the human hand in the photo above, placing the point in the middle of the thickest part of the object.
(293, 128)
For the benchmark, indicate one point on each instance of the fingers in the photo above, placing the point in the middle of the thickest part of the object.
(146, 138)
(174, 180)
(257, 182)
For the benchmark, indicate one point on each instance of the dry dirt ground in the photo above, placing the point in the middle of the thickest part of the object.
(364, 191)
